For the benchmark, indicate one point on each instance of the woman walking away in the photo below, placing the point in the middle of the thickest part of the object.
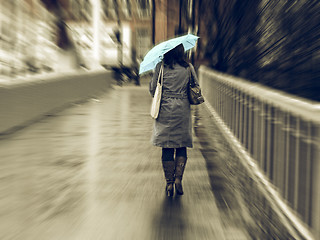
(173, 127)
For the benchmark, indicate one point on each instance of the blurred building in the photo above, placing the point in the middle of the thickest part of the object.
(29, 36)
(25, 27)
(171, 18)
(102, 32)
(176, 17)
(123, 31)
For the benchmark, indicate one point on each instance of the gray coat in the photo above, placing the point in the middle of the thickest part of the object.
(173, 127)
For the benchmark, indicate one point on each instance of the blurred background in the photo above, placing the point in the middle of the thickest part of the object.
(272, 42)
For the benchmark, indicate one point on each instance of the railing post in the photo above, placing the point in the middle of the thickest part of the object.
(240, 120)
(257, 126)
(250, 125)
(297, 171)
(308, 142)
(270, 138)
(315, 190)
(279, 151)
(303, 165)
(234, 111)
(229, 107)
(262, 136)
(287, 157)
(246, 122)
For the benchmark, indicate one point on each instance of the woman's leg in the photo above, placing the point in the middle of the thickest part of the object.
(168, 168)
(182, 152)
(180, 164)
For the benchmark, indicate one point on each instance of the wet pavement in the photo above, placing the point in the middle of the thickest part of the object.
(90, 172)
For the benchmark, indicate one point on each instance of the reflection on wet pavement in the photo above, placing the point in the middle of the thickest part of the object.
(90, 172)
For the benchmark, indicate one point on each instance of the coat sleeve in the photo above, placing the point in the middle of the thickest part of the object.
(154, 80)
(194, 75)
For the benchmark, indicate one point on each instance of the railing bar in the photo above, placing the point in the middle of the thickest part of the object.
(269, 135)
(281, 147)
(256, 139)
(226, 109)
(237, 115)
(221, 102)
(240, 118)
(219, 99)
(297, 172)
(308, 178)
(224, 103)
(215, 97)
(234, 111)
(315, 180)
(276, 143)
(225, 99)
(229, 108)
(244, 119)
(245, 122)
(250, 125)
(278, 151)
(287, 149)
(262, 137)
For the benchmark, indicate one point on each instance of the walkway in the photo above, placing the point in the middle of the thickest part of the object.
(89, 172)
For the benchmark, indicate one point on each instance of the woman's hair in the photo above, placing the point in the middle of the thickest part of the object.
(175, 55)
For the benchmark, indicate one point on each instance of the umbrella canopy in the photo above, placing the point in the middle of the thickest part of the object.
(155, 55)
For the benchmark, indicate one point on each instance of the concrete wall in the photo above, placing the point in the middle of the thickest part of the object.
(25, 102)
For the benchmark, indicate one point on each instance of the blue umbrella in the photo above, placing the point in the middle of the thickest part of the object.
(155, 55)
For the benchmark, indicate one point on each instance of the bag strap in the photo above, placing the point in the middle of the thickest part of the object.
(160, 76)
(191, 80)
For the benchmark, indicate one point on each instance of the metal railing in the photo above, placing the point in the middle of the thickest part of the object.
(276, 131)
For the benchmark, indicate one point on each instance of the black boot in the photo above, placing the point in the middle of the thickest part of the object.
(168, 169)
(179, 169)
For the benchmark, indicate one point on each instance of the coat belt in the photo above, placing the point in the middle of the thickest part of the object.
(175, 95)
